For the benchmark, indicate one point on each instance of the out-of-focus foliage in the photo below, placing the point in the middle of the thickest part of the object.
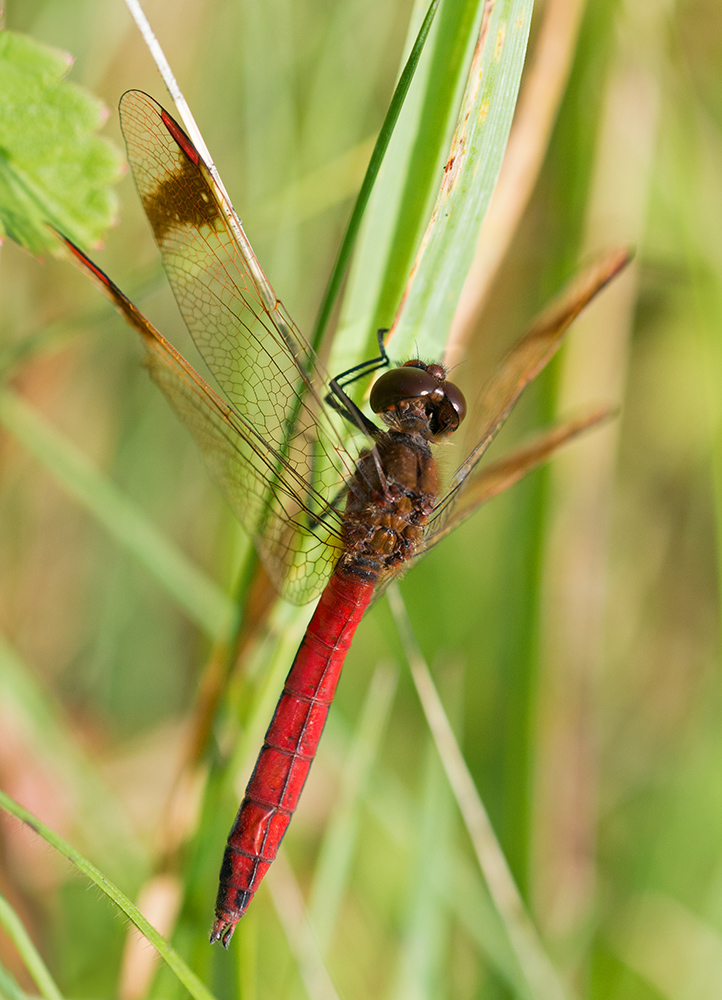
(573, 626)
(52, 166)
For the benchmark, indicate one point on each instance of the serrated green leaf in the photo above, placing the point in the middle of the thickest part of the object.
(53, 168)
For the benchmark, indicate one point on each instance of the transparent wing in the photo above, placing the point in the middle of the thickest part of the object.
(496, 478)
(263, 366)
(299, 544)
(522, 364)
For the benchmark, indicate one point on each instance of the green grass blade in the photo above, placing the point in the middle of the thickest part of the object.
(204, 601)
(425, 921)
(464, 892)
(541, 976)
(13, 927)
(470, 175)
(9, 988)
(377, 157)
(293, 918)
(339, 842)
(188, 978)
(106, 827)
(398, 210)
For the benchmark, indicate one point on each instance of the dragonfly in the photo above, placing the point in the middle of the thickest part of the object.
(337, 503)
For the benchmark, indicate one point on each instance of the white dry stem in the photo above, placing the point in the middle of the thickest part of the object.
(249, 258)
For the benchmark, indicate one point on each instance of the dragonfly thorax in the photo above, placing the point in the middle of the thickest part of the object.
(390, 497)
(416, 398)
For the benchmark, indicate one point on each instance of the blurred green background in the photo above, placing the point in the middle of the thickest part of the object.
(572, 627)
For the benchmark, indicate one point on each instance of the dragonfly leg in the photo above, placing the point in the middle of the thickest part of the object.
(339, 400)
(366, 367)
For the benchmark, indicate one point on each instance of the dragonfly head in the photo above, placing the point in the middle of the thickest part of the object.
(417, 397)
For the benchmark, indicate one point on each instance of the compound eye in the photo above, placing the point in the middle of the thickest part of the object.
(456, 398)
(407, 382)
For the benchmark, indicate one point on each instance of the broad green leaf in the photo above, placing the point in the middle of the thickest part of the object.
(53, 168)
(403, 195)
(477, 50)
(377, 157)
(470, 175)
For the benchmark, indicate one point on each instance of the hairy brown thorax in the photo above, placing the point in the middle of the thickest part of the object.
(390, 497)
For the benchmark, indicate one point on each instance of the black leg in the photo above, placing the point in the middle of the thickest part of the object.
(338, 399)
(341, 403)
(366, 367)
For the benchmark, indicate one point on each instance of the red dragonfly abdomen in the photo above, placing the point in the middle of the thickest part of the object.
(290, 745)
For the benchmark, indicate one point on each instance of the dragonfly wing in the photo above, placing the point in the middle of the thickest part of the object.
(262, 364)
(497, 477)
(520, 367)
(297, 548)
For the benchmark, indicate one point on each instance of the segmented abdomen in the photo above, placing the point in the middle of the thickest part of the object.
(290, 746)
